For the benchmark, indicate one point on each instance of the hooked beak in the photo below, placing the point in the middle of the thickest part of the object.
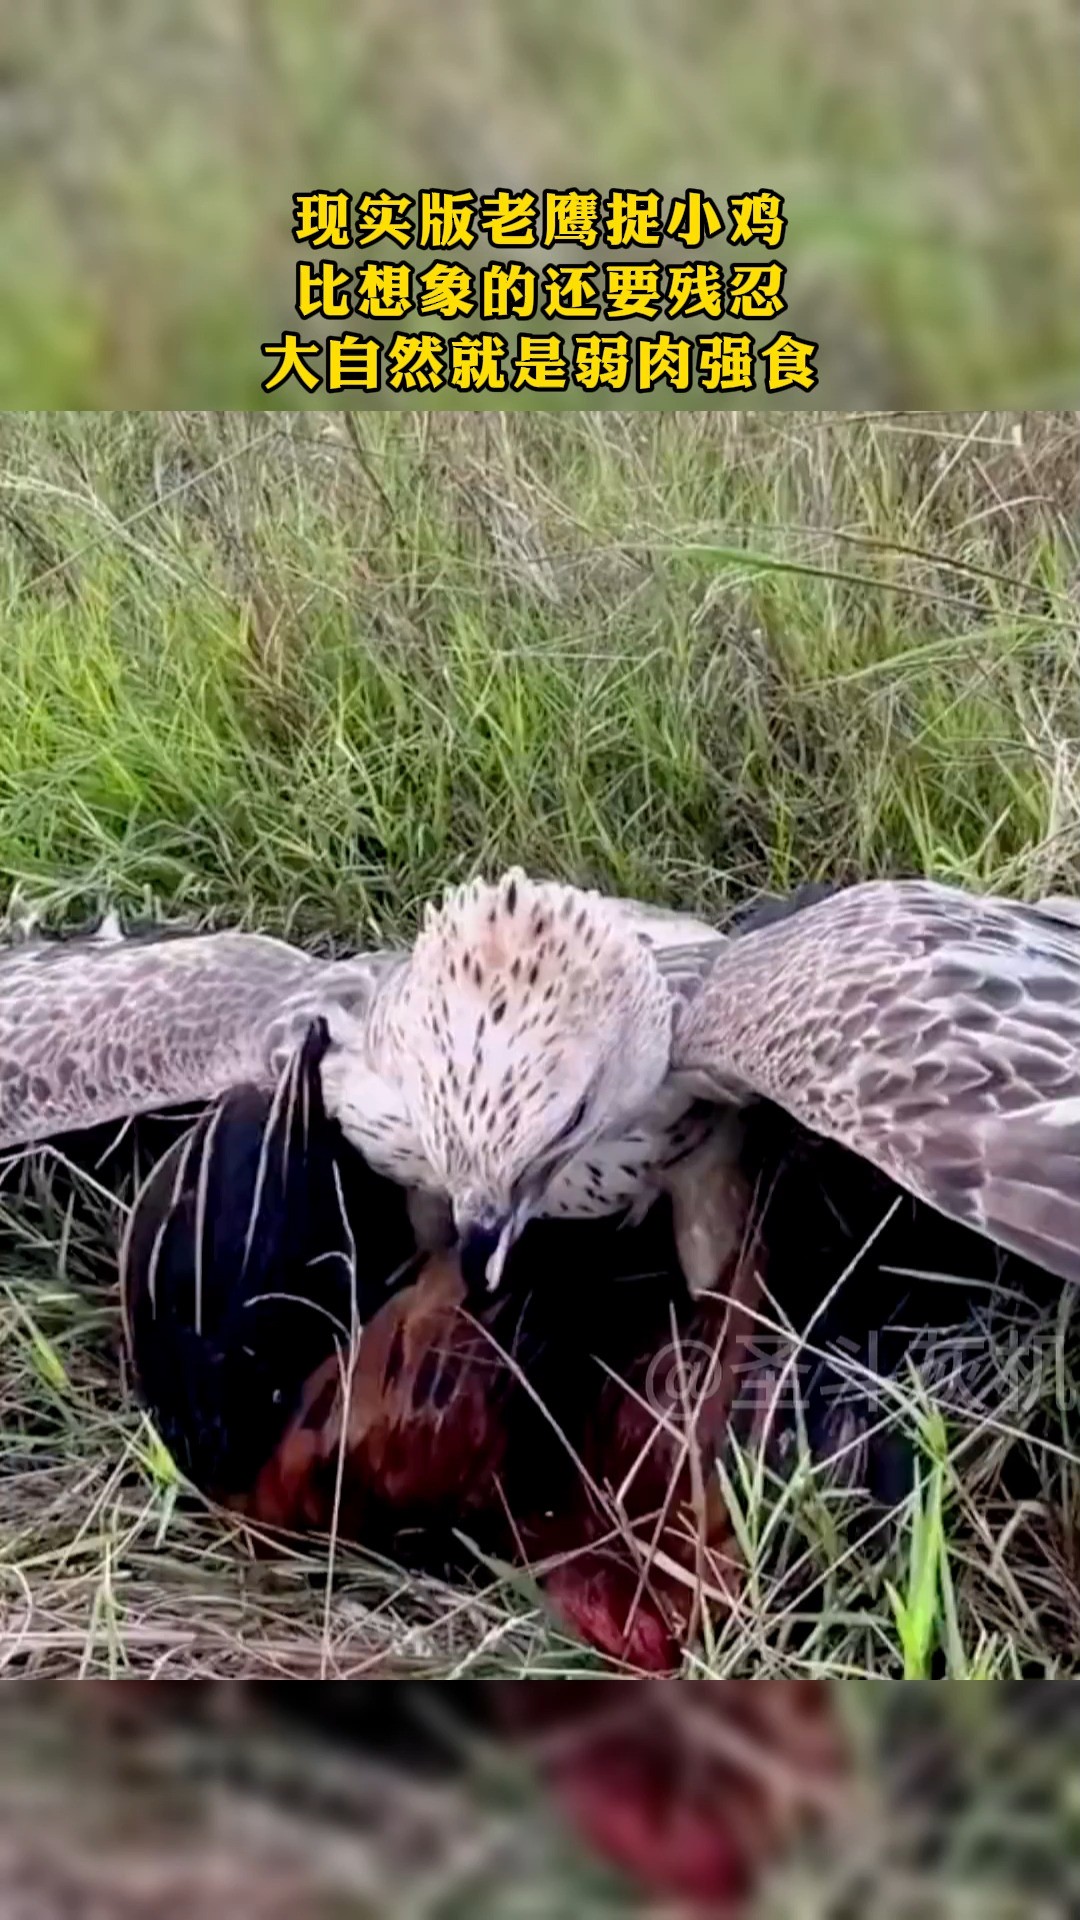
(485, 1239)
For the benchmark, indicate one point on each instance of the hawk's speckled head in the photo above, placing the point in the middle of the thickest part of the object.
(533, 1020)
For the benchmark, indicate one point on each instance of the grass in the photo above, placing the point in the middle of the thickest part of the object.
(150, 157)
(297, 672)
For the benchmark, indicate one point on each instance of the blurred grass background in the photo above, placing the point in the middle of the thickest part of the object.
(148, 158)
(963, 1803)
(298, 672)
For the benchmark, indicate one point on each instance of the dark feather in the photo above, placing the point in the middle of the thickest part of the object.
(239, 1268)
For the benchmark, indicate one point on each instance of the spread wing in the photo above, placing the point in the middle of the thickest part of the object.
(934, 1032)
(97, 1030)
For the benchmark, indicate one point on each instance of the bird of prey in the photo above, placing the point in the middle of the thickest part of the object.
(553, 1058)
(546, 1050)
(104, 1028)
